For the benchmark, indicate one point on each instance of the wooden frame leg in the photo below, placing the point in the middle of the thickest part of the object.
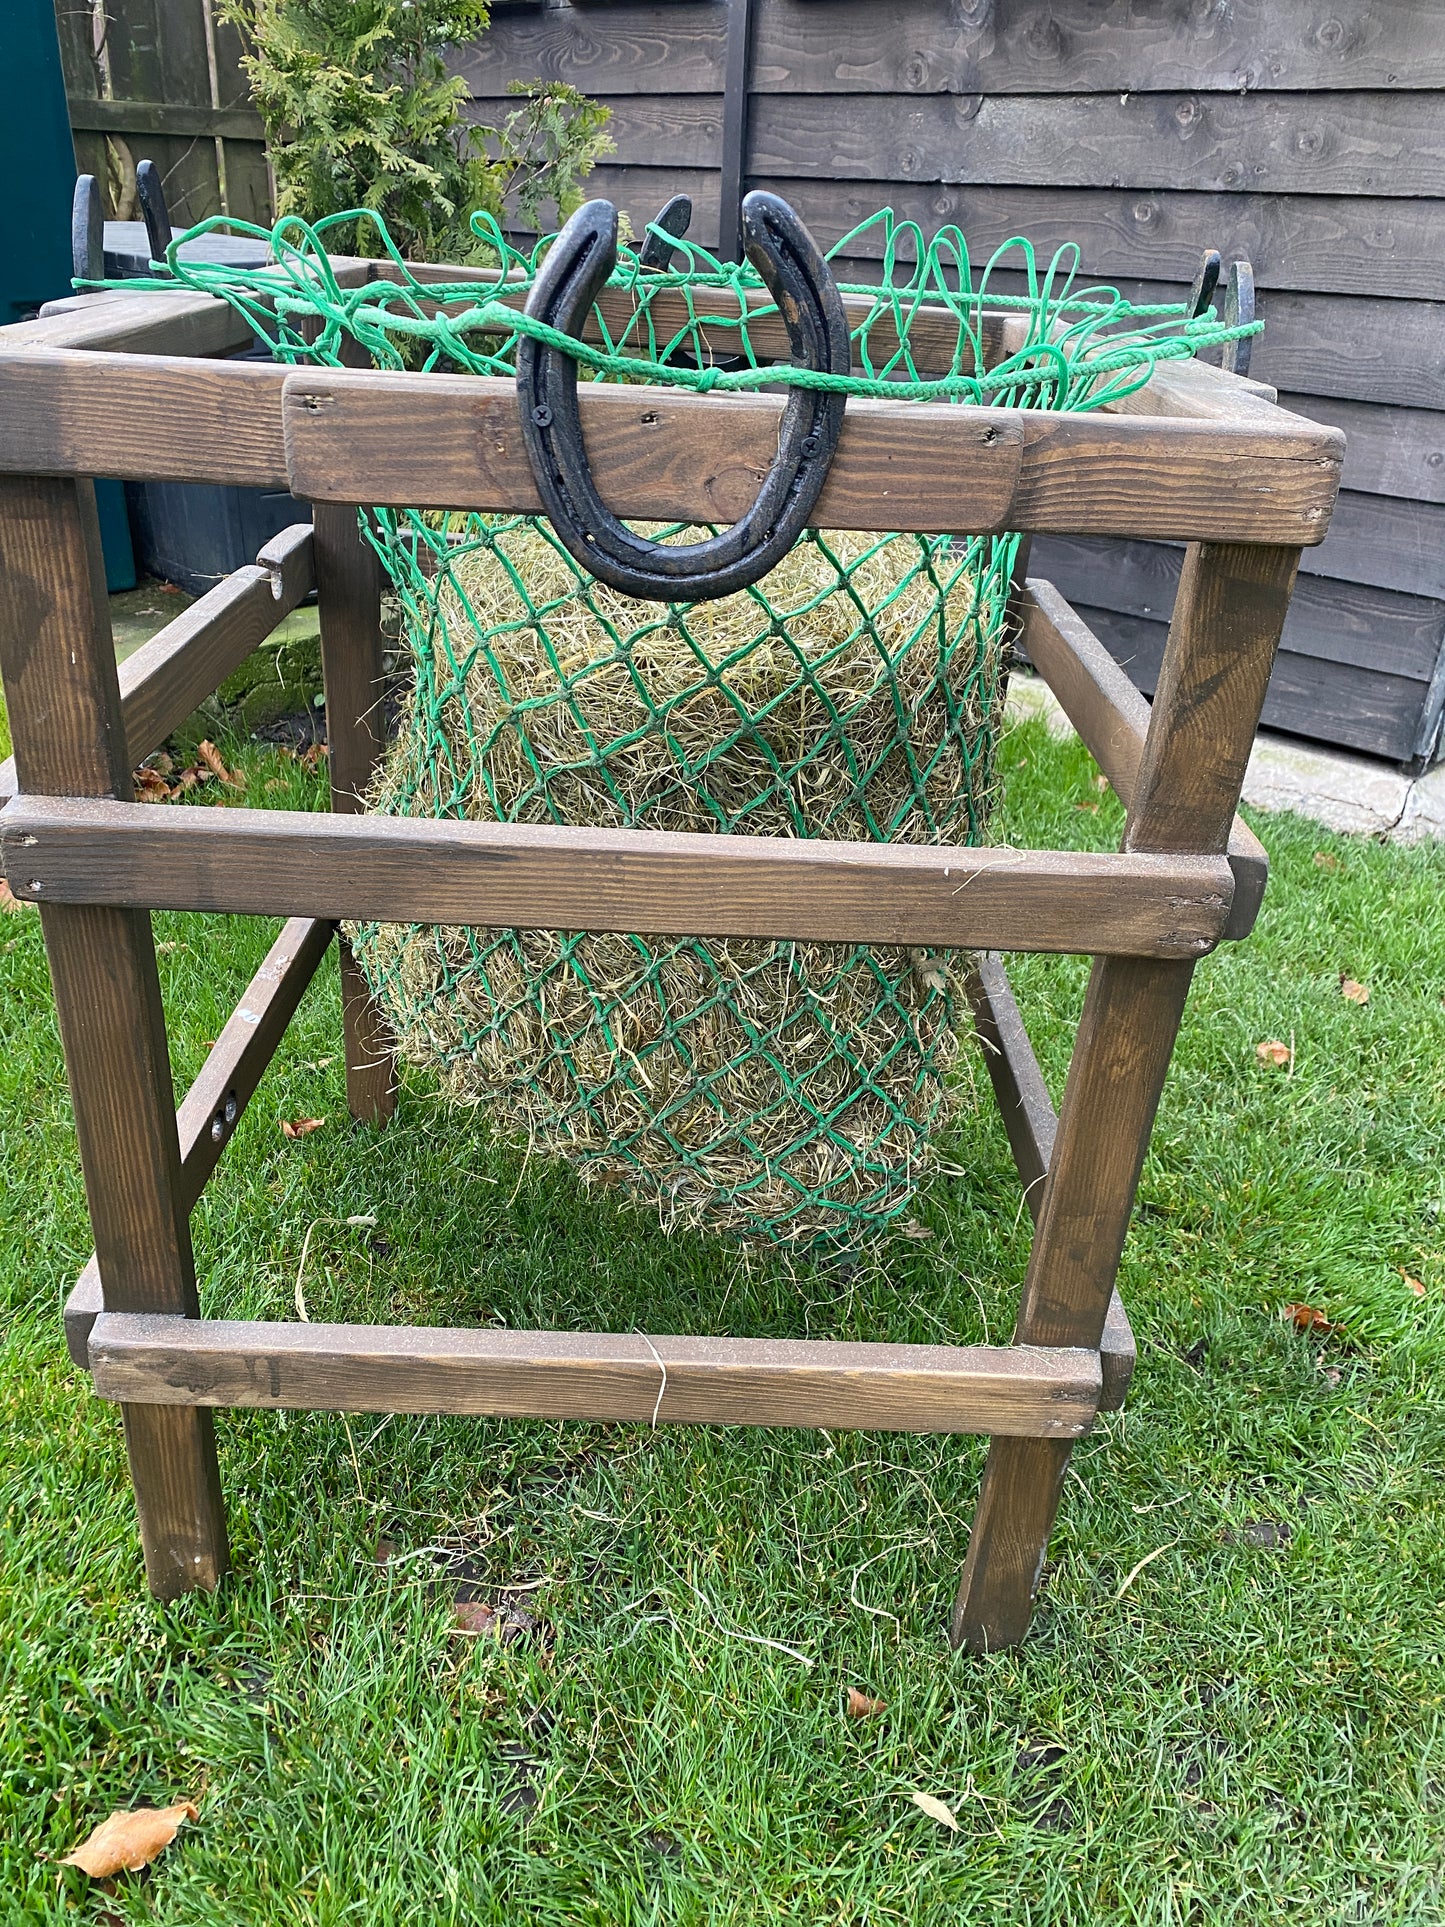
(58, 661)
(1228, 616)
(348, 581)
(1126, 1038)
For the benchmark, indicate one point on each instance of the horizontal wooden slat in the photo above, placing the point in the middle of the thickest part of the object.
(160, 417)
(668, 48)
(541, 876)
(190, 658)
(140, 117)
(452, 441)
(1326, 244)
(1031, 1124)
(655, 130)
(1329, 620)
(441, 441)
(1112, 719)
(1353, 143)
(1017, 1392)
(235, 1066)
(917, 47)
(1357, 707)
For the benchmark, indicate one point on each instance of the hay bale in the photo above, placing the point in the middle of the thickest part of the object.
(781, 1090)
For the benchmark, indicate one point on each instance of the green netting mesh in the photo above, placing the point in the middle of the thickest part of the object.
(788, 1091)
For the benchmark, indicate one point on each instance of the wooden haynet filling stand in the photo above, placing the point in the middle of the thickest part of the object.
(131, 385)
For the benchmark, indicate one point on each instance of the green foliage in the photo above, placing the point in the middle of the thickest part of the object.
(360, 112)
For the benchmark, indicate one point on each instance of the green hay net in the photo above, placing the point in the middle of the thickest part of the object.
(789, 1092)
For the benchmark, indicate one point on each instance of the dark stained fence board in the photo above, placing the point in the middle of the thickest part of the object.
(1388, 451)
(922, 47)
(1322, 243)
(1354, 347)
(603, 50)
(651, 130)
(1358, 708)
(1368, 143)
(1344, 622)
(643, 190)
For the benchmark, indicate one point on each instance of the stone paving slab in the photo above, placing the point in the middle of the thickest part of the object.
(1342, 791)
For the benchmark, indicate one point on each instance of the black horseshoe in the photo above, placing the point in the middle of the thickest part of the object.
(1238, 307)
(1205, 282)
(802, 285)
(87, 231)
(673, 220)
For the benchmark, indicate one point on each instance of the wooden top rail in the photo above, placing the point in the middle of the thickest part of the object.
(453, 441)
(542, 876)
(1013, 1392)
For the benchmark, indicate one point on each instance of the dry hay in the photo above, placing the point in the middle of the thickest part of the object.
(781, 1090)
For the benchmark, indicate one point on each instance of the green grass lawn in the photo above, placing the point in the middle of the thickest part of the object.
(1252, 1732)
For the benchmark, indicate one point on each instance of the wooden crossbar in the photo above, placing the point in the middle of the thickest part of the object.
(543, 876)
(1112, 719)
(445, 441)
(186, 661)
(1014, 1391)
(214, 1105)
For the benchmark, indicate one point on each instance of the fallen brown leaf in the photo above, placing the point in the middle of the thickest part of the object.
(215, 763)
(1306, 1319)
(1414, 1284)
(1101, 782)
(860, 1707)
(936, 1810)
(300, 1126)
(127, 1842)
(1356, 993)
(151, 786)
(911, 1228)
(1092, 808)
(169, 588)
(1325, 861)
(1272, 1051)
(9, 902)
(507, 1623)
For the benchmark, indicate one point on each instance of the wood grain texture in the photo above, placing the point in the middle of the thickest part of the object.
(453, 442)
(1112, 719)
(617, 1377)
(1377, 143)
(349, 577)
(1028, 1116)
(216, 1102)
(917, 47)
(542, 876)
(159, 417)
(1319, 243)
(1228, 617)
(58, 663)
